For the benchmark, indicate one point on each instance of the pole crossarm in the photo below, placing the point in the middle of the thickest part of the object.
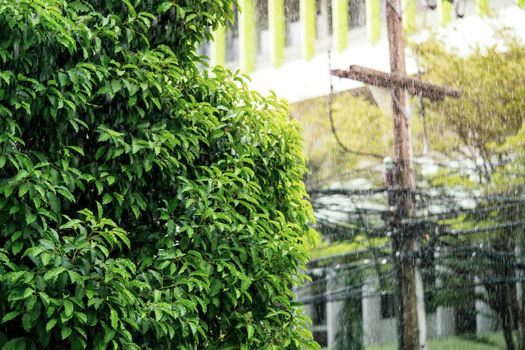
(385, 80)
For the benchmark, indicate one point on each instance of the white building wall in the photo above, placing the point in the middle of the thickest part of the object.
(298, 80)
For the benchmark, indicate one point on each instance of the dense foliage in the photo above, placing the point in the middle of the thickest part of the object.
(144, 203)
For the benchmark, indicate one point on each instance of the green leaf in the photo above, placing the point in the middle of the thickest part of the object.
(171, 226)
(81, 317)
(53, 273)
(68, 307)
(45, 298)
(114, 319)
(10, 315)
(50, 324)
(158, 314)
(30, 218)
(19, 295)
(250, 331)
(107, 198)
(17, 247)
(75, 277)
(116, 86)
(15, 344)
(111, 179)
(27, 323)
(165, 6)
(131, 9)
(77, 149)
(22, 190)
(16, 236)
(62, 78)
(66, 332)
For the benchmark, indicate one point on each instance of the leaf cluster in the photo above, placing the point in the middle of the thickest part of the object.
(144, 203)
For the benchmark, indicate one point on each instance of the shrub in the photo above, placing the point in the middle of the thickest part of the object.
(144, 203)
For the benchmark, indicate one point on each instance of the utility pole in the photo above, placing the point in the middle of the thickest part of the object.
(404, 243)
(400, 179)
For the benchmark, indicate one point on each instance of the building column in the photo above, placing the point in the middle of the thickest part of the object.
(276, 23)
(445, 9)
(340, 24)
(409, 15)
(486, 320)
(371, 302)
(373, 20)
(218, 47)
(333, 308)
(323, 27)
(483, 7)
(247, 37)
(308, 28)
(445, 316)
(421, 312)
(445, 321)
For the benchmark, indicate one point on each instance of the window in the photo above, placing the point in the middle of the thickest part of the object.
(356, 13)
(388, 307)
(319, 304)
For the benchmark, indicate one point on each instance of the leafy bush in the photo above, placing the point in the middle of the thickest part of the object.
(144, 203)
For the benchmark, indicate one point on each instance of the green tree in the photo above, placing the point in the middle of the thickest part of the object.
(361, 126)
(491, 105)
(144, 203)
(482, 128)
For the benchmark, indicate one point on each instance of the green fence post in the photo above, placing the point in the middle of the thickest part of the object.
(308, 28)
(247, 36)
(277, 31)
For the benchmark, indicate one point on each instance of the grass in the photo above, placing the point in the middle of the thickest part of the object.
(489, 341)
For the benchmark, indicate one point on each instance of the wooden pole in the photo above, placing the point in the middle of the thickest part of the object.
(396, 283)
(404, 243)
(400, 180)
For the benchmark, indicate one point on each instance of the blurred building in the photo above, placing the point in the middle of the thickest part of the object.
(285, 44)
